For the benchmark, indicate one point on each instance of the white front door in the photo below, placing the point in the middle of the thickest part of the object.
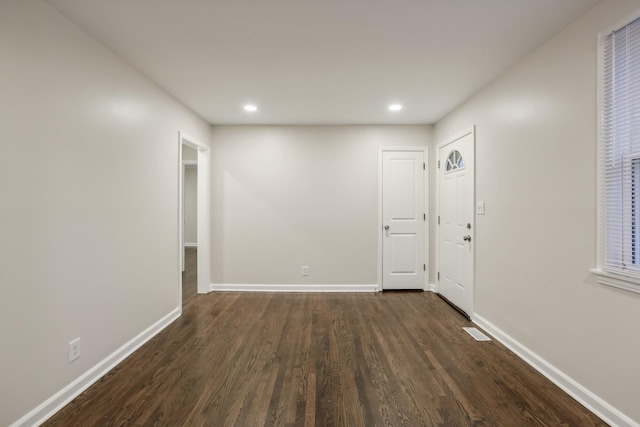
(456, 198)
(403, 220)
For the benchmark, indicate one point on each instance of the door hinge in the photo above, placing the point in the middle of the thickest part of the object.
(438, 275)
(424, 166)
(438, 164)
(438, 219)
(424, 267)
(424, 217)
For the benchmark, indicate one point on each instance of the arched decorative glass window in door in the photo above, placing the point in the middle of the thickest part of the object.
(454, 161)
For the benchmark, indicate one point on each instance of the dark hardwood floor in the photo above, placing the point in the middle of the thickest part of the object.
(389, 359)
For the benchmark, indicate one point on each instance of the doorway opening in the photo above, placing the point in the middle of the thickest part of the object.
(193, 221)
(189, 223)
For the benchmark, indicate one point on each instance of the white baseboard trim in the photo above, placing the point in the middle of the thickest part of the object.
(592, 402)
(49, 407)
(218, 287)
(191, 245)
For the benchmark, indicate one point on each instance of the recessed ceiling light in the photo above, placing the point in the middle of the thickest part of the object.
(249, 108)
(395, 107)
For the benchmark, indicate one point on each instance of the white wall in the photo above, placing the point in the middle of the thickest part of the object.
(191, 205)
(536, 171)
(288, 196)
(88, 202)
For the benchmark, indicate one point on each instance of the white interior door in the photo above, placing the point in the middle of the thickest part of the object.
(403, 220)
(456, 198)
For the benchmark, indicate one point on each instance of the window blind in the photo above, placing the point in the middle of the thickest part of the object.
(619, 152)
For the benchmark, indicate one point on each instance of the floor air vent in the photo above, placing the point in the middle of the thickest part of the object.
(476, 334)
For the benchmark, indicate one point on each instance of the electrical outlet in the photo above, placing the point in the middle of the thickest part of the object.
(74, 349)
(305, 270)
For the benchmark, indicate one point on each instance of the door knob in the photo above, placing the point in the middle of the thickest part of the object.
(386, 227)
(467, 238)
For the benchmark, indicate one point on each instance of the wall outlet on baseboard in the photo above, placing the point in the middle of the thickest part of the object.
(305, 270)
(74, 349)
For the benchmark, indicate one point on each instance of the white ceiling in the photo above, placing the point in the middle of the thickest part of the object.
(322, 61)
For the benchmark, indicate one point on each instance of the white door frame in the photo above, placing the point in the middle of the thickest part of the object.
(204, 246)
(472, 131)
(425, 152)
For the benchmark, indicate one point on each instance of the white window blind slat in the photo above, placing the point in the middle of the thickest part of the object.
(619, 152)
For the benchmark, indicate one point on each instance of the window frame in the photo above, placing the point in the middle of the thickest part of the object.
(450, 166)
(604, 275)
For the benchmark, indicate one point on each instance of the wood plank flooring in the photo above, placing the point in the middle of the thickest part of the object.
(389, 359)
